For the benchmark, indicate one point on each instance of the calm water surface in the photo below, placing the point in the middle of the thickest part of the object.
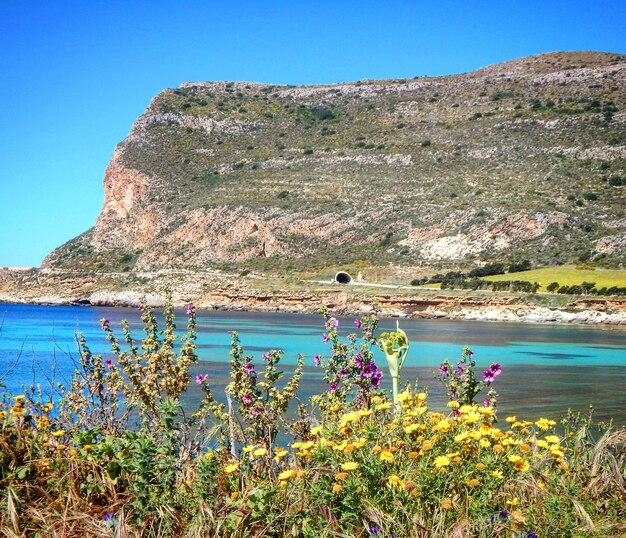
(546, 368)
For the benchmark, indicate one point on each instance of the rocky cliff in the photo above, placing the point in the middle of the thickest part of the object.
(520, 160)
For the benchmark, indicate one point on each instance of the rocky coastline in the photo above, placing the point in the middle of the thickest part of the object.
(219, 291)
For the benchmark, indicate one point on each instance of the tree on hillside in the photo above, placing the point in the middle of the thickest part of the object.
(553, 287)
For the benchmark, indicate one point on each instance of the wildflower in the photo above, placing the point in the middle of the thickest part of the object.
(446, 504)
(249, 368)
(337, 488)
(279, 454)
(373, 529)
(411, 428)
(453, 404)
(108, 363)
(48, 407)
(377, 378)
(189, 309)
(519, 463)
(512, 502)
(497, 474)
(325, 338)
(201, 379)
(387, 456)
(473, 482)
(246, 399)
(480, 466)
(413, 455)
(232, 467)
(316, 430)
(349, 466)
(490, 374)
(334, 322)
(442, 461)
(58, 433)
(286, 475)
(317, 360)
(104, 323)
(260, 452)
(332, 387)
(552, 439)
(357, 323)
(544, 423)
(394, 481)
(444, 369)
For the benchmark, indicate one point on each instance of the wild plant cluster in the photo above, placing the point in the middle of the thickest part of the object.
(121, 454)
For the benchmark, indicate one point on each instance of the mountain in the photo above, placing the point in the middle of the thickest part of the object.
(523, 160)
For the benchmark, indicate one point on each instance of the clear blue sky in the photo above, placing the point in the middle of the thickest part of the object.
(76, 74)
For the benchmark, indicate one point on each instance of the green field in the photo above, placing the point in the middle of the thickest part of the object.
(567, 276)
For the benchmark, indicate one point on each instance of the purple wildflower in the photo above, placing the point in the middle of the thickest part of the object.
(504, 513)
(108, 516)
(377, 378)
(373, 529)
(189, 309)
(470, 353)
(486, 401)
(444, 369)
(490, 374)
(201, 379)
(357, 323)
(317, 359)
(256, 411)
(334, 322)
(325, 338)
(105, 323)
(369, 369)
(249, 368)
(264, 357)
(108, 363)
(358, 360)
(332, 387)
(530, 534)
(342, 373)
(246, 399)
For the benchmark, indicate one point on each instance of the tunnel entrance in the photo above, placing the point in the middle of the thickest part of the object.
(343, 278)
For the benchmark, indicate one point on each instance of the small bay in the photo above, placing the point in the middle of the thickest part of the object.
(546, 368)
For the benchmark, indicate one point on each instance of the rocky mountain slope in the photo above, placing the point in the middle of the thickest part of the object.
(520, 160)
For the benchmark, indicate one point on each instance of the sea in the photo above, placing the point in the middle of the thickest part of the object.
(547, 370)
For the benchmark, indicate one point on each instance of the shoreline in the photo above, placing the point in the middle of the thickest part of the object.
(226, 292)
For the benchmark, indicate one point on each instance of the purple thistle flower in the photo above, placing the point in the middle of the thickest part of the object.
(246, 399)
(325, 338)
(357, 323)
(108, 363)
(201, 379)
(332, 387)
(317, 359)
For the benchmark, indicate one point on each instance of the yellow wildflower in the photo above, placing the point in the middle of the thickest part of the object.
(404, 396)
(497, 474)
(209, 455)
(376, 449)
(247, 449)
(411, 428)
(486, 411)
(552, 439)
(473, 482)
(337, 488)
(394, 481)
(340, 477)
(519, 463)
(442, 461)
(442, 426)
(485, 442)
(452, 404)
(234, 495)
(480, 466)
(19, 398)
(316, 430)
(279, 453)
(376, 399)
(387, 456)
(232, 467)
(349, 466)
(510, 420)
(383, 406)
(413, 455)
(286, 475)
(498, 448)
(512, 502)
(260, 452)
(335, 408)
(446, 504)
(360, 443)
(47, 407)
(544, 423)
(58, 433)
(541, 443)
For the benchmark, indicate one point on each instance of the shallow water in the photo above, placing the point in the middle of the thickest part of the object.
(546, 368)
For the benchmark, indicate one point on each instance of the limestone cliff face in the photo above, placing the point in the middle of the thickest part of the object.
(521, 160)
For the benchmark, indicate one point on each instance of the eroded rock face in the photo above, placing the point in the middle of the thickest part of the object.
(128, 219)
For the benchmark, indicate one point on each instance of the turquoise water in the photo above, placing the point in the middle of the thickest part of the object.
(546, 368)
